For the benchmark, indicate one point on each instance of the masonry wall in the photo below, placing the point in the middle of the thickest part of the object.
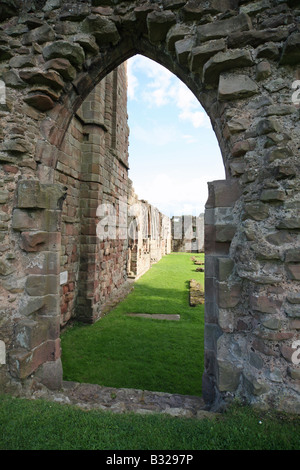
(188, 233)
(93, 165)
(149, 235)
(241, 60)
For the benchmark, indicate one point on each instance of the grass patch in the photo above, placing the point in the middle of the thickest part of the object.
(156, 355)
(40, 425)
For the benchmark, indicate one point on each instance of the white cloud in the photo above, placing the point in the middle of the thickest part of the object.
(132, 81)
(163, 88)
(174, 196)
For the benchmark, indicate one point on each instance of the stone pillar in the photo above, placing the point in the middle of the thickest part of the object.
(91, 195)
(221, 292)
(36, 220)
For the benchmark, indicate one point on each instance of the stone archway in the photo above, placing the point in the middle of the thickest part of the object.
(240, 60)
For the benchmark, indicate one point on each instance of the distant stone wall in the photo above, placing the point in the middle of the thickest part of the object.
(149, 235)
(188, 233)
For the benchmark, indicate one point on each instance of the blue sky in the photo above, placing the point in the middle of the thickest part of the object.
(173, 151)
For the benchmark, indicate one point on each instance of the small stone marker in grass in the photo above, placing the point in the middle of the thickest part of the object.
(155, 316)
(196, 293)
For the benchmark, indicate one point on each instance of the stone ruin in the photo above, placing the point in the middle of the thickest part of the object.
(241, 60)
(188, 233)
(149, 236)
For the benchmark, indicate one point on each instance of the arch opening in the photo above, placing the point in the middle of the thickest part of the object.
(106, 258)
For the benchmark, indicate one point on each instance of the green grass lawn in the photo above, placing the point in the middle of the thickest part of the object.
(42, 425)
(157, 355)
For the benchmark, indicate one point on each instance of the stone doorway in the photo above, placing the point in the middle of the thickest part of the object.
(240, 60)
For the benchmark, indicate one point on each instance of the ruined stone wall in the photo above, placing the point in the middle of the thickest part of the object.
(241, 60)
(188, 233)
(92, 165)
(149, 235)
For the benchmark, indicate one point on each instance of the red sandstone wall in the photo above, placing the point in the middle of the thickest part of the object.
(93, 165)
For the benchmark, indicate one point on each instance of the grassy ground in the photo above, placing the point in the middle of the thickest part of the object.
(40, 425)
(158, 355)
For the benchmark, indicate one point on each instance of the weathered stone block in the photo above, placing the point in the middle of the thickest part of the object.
(254, 385)
(237, 124)
(211, 312)
(103, 29)
(23, 362)
(3, 196)
(6, 268)
(47, 305)
(292, 310)
(65, 50)
(159, 23)
(229, 376)
(63, 67)
(40, 241)
(40, 101)
(223, 193)
(32, 333)
(255, 360)
(225, 233)
(229, 296)
(290, 53)
(280, 237)
(263, 70)
(183, 49)
(223, 61)
(279, 153)
(50, 374)
(232, 87)
(255, 7)
(49, 78)
(269, 195)
(33, 194)
(289, 223)
(196, 293)
(240, 148)
(74, 12)
(23, 220)
(257, 210)
(293, 298)
(294, 373)
(293, 271)
(40, 285)
(268, 125)
(256, 37)
(223, 28)
(225, 267)
(176, 33)
(45, 262)
(39, 35)
(269, 335)
(87, 42)
(211, 335)
(272, 323)
(20, 61)
(201, 54)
